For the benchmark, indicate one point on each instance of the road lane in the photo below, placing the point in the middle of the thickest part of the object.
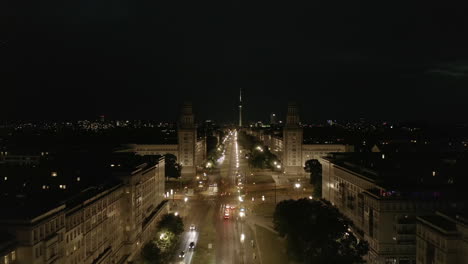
(227, 245)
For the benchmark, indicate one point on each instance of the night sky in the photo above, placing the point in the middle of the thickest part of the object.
(140, 59)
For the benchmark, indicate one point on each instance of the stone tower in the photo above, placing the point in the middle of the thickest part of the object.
(187, 137)
(292, 140)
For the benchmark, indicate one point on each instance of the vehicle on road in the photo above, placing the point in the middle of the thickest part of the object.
(192, 245)
(226, 214)
(192, 227)
(182, 254)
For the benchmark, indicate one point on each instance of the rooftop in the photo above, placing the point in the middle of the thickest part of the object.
(408, 171)
(28, 191)
(441, 222)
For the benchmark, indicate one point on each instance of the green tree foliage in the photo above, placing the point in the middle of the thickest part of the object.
(167, 242)
(171, 223)
(151, 254)
(172, 169)
(314, 167)
(258, 159)
(247, 141)
(317, 232)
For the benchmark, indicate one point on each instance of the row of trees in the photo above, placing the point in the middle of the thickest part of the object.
(172, 169)
(259, 156)
(317, 232)
(162, 247)
(315, 169)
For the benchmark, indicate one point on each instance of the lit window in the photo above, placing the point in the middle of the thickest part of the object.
(13, 255)
(5, 259)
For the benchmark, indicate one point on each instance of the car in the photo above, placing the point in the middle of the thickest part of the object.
(192, 227)
(182, 254)
(192, 245)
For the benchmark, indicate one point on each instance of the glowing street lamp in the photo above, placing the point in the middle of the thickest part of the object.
(185, 199)
(242, 238)
(297, 185)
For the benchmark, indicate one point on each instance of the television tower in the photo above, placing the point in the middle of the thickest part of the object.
(240, 107)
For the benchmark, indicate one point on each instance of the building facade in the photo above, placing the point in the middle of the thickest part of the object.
(100, 225)
(442, 238)
(190, 150)
(290, 146)
(383, 216)
(292, 142)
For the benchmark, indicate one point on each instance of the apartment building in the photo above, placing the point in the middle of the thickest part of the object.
(442, 238)
(383, 194)
(102, 224)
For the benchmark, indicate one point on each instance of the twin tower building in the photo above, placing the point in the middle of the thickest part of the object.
(190, 150)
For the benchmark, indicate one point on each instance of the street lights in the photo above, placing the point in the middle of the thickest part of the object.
(297, 186)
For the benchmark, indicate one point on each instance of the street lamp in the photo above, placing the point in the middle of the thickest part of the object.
(185, 199)
(297, 186)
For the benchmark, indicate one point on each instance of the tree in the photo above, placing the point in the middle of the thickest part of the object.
(151, 253)
(317, 232)
(171, 223)
(172, 169)
(314, 167)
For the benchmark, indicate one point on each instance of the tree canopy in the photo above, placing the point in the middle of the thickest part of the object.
(171, 223)
(262, 159)
(151, 253)
(317, 232)
(314, 167)
(172, 169)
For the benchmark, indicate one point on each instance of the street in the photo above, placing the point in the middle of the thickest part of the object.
(228, 239)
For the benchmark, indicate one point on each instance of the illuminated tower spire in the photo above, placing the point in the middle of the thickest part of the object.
(240, 107)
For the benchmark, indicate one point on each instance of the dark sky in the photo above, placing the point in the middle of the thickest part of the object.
(339, 59)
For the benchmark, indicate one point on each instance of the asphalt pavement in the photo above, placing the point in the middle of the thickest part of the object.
(234, 240)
